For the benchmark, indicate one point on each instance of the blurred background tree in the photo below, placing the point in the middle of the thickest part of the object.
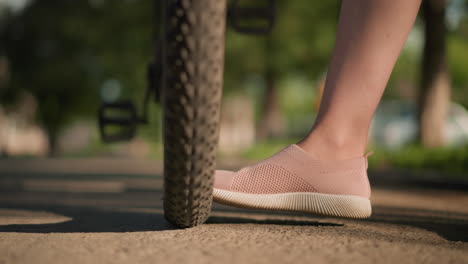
(435, 84)
(70, 55)
(298, 49)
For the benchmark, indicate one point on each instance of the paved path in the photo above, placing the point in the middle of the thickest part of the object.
(98, 211)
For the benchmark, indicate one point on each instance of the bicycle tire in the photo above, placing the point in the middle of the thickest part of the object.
(193, 51)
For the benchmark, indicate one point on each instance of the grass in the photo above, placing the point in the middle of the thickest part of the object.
(448, 161)
(265, 149)
(451, 161)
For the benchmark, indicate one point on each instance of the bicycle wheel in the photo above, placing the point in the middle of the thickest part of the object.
(193, 51)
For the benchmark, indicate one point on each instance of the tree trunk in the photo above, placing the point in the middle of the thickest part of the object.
(434, 98)
(272, 122)
(52, 140)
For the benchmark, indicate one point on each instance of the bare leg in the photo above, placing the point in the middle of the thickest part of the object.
(370, 36)
(327, 172)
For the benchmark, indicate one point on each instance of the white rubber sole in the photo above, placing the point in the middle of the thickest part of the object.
(348, 206)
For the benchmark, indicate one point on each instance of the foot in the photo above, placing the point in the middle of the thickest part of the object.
(292, 180)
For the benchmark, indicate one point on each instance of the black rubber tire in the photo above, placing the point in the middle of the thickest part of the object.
(193, 53)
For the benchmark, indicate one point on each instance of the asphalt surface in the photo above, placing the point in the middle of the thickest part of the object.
(110, 211)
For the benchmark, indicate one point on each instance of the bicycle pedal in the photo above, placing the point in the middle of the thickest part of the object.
(255, 19)
(117, 121)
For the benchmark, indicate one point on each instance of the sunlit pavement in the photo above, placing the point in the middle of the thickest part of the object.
(110, 211)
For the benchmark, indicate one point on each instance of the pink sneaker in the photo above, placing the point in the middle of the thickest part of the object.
(291, 180)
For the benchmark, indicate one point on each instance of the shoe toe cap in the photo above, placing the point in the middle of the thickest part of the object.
(223, 179)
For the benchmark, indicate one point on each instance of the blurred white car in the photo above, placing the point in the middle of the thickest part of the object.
(395, 124)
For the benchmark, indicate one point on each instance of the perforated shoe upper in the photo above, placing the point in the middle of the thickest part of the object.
(294, 170)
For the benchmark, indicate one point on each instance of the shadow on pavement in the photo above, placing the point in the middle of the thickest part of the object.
(132, 203)
(449, 225)
(246, 220)
(85, 220)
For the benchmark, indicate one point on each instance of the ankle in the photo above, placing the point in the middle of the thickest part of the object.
(333, 146)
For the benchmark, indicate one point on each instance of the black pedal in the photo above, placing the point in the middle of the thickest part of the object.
(255, 18)
(118, 121)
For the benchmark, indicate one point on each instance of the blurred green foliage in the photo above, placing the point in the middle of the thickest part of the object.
(452, 161)
(414, 157)
(458, 65)
(265, 149)
(64, 51)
